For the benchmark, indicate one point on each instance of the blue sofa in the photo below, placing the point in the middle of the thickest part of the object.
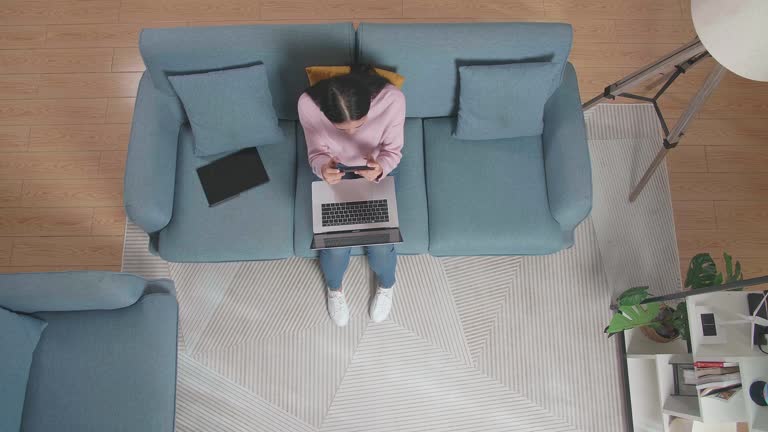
(522, 196)
(106, 360)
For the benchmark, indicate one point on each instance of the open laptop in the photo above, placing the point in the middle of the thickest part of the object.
(354, 213)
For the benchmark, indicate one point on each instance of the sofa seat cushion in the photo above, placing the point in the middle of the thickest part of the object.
(97, 371)
(411, 196)
(487, 197)
(257, 224)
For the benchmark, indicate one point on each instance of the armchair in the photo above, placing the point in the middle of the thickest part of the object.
(107, 359)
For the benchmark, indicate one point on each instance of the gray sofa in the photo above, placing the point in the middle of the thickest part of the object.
(525, 195)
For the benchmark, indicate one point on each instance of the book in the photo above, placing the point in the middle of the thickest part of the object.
(713, 364)
(725, 394)
(700, 372)
(717, 390)
(718, 384)
(735, 376)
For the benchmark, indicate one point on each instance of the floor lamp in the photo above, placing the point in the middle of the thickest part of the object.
(733, 32)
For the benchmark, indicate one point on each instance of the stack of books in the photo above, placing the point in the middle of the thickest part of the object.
(714, 379)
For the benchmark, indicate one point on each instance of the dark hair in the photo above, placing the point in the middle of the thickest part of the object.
(346, 98)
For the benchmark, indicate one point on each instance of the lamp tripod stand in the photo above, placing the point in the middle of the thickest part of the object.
(681, 60)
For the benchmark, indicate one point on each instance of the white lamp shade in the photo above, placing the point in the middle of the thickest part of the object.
(735, 32)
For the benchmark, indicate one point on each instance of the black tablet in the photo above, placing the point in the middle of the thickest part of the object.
(232, 175)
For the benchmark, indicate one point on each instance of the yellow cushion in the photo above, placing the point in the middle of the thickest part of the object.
(319, 73)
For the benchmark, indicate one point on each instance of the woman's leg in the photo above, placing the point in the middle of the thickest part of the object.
(333, 263)
(383, 260)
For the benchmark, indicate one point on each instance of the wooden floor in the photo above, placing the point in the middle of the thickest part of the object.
(69, 71)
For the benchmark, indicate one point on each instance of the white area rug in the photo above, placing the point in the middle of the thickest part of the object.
(473, 344)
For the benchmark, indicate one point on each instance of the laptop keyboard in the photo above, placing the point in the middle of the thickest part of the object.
(355, 212)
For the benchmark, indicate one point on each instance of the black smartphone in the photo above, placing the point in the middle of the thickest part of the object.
(345, 168)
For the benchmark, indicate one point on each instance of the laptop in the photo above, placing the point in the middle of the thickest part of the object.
(354, 213)
(232, 175)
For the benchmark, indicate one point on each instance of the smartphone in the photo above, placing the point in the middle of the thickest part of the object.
(344, 168)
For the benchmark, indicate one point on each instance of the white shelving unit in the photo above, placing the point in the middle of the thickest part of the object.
(651, 375)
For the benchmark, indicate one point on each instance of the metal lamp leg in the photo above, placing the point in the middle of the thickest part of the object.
(681, 59)
(688, 51)
(671, 140)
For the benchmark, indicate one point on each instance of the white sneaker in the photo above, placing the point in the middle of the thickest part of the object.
(381, 304)
(337, 308)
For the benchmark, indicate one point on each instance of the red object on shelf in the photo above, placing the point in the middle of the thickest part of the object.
(713, 364)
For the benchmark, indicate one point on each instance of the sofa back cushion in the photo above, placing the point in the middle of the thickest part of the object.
(285, 50)
(429, 55)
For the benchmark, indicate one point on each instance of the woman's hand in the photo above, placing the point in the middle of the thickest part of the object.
(371, 174)
(331, 174)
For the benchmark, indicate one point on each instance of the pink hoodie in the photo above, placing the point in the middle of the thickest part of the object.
(380, 137)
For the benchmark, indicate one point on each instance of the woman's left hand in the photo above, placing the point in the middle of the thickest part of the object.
(371, 174)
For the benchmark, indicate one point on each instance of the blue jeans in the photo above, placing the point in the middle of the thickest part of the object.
(382, 259)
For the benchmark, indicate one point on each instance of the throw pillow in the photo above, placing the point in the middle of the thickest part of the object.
(19, 335)
(319, 73)
(504, 101)
(229, 109)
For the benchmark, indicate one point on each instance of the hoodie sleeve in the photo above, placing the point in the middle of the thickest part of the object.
(316, 139)
(392, 141)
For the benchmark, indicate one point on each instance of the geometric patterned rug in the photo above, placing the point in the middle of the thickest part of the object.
(472, 344)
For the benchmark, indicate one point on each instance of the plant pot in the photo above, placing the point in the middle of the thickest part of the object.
(651, 334)
(654, 335)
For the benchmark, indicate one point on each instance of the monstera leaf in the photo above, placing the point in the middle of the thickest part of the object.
(633, 296)
(630, 317)
(702, 272)
(732, 273)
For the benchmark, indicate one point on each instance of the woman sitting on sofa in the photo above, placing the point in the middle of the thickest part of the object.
(355, 119)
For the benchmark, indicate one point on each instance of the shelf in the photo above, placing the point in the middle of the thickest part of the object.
(679, 406)
(721, 411)
(639, 346)
(754, 369)
(686, 407)
(760, 421)
(643, 385)
(651, 376)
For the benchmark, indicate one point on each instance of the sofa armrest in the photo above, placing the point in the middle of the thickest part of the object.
(76, 291)
(150, 170)
(566, 154)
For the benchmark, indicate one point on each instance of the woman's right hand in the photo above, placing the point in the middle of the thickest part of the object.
(331, 174)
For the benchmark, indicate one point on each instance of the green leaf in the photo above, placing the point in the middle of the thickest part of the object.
(680, 320)
(702, 272)
(633, 316)
(633, 296)
(737, 276)
(728, 266)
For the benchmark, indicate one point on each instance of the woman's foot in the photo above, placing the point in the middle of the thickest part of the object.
(381, 304)
(337, 307)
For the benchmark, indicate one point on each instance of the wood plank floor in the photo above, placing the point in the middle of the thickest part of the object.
(69, 71)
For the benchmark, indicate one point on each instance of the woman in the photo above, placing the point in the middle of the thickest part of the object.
(355, 119)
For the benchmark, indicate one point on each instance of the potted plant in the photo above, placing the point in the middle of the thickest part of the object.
(661, 322)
